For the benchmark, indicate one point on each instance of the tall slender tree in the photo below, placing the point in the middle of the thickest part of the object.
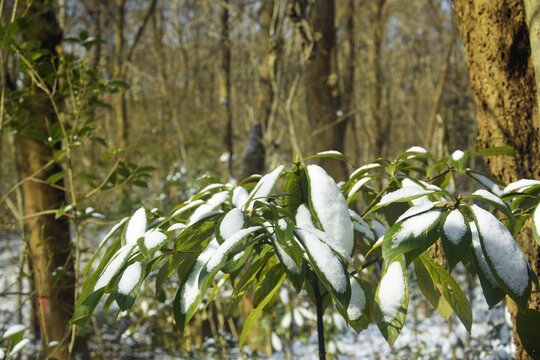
(497, 46)
(49, 241)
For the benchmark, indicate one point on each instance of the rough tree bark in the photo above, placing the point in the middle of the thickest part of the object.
(496, 40)
(322, 89)
(532, 11)
(225, 84)
(378, 128)
(49, 242)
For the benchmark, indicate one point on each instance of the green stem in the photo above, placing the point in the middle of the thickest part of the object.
(320, 325)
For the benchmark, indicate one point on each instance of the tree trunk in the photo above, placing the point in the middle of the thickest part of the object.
(120, 106)
(50, 247)
(378, 128)
(497, 46)
(322, 90)
(532, 11)
(225, 84)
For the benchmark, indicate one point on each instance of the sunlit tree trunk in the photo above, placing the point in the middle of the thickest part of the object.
(378, 126)
(225, 84)
(532, 11)
(322, 87)
(496, 40)
(50, 248)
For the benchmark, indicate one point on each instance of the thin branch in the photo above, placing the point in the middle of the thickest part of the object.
(140, 31)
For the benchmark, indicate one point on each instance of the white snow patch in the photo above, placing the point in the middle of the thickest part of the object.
(276, 342)
(154, 238)
(489, 196)
(190, 288)
(415, 226)
(521, 185)
(225, 157)
(130, 278)
(218, 199)
(282, 224)
(303, 216)
(356, 187)
(231, 223)
(484, 267)
(357, 305)
(329, 152)
(331, 207)
(458, 155)
(487, 183)
(325, 260)
(14, 330)
(202, 212)
(53, 343)
(328, 240)
(19, 346)
(415, 210)
(264, 186)
(136, 227)
(364, 168)
(114, 266)
(421, 200)
(417, 149)
(454, 226)
(362, 226)
(177, 226)
(227, 245)
(404, 192)
(191, 205)
(112, 231)
(391, 291)
(240, 196)
(499, 245)
(286, 321)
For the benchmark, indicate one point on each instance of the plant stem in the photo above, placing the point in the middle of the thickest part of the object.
(320, 325)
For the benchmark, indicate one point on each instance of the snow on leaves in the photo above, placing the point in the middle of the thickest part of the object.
(503, 256)
(330, 207)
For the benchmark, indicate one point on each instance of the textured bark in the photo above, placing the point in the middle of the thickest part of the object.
(379, 127)
(120, 106)
(496, 40)
(532, 11)
(254, 156)
(321, 89)
(225, 84)
(48, 238)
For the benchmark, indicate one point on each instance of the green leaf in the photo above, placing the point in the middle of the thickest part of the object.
(254, 315)
(496, 151)
(361, 292)
(284, 231)
(528, 328)
(455, 251)
(328, 267)
(126, 300)
(450, 290)
(265, 287)
(329, 154)
(426, 285)
(491, 289)
(392, 301)
(459, 159)
(293, 192)
(496, 202)
(54, 178)
(536, 224)
(411, 236)
(84, 309)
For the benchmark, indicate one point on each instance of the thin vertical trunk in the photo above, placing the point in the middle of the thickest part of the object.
(497, 46)
(49, 239)
(120, 106)
(321, 89)
(225, 84)
(378, 127)
(532, 11)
